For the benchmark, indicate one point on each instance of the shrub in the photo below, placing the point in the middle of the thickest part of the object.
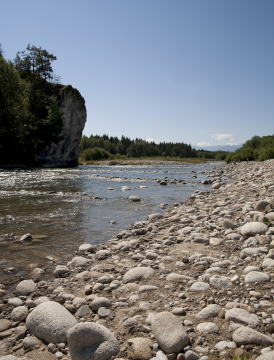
(95, 153)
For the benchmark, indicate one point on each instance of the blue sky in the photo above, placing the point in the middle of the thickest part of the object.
(192, 71)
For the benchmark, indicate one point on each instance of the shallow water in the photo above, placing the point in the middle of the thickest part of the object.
(57, 207)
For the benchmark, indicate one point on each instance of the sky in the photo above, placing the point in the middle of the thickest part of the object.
(193, 71)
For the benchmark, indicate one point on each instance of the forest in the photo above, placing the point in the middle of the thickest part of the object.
(109, 147)
(257, 148)
(30, 116)
(105, 147)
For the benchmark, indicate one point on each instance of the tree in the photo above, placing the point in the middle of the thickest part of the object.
(14, 111)
(30, 116)
(35, 62)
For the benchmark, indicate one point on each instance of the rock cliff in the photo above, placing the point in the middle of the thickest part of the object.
(65, 153)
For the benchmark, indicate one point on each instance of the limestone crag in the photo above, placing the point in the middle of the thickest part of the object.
(65, 153)
(193, 284)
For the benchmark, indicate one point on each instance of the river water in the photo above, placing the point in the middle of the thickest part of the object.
(64, 208)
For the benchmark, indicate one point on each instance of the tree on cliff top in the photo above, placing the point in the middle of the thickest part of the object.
(35, 62)
(45, 121)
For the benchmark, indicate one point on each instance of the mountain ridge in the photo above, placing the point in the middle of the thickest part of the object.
(229, 148)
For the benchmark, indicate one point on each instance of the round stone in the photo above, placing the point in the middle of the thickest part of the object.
(199, 286)
(91, 341)
(50, 321)
(253, 228)
(256, 276)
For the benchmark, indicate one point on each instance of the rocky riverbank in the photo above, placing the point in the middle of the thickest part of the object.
(195, 283)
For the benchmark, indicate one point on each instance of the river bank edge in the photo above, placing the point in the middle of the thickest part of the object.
(174, 252)
(148, 161)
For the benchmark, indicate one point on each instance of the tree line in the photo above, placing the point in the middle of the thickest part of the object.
(105, 147)
(257, 148)
(30, 116)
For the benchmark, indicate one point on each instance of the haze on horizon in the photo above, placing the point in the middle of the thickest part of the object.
(198, 72)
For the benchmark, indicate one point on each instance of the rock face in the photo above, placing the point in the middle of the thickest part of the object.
(65, 153)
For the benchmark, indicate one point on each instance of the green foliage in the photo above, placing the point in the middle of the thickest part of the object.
(34, 62)
(53, 124)
(95, 153)
(14, 112)
(257, 148)
(30, 116)
(44, 131)
(127, 148)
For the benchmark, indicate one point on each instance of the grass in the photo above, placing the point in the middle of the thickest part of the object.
(144, 160)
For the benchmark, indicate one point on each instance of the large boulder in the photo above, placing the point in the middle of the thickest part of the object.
(91, 341)
(65, 153)
(50, 321)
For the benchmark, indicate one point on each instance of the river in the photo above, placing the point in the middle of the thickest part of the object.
(64, 208)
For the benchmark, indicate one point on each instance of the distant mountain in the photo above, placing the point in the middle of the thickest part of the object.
(230, 148)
